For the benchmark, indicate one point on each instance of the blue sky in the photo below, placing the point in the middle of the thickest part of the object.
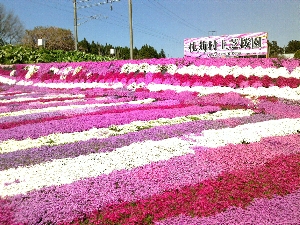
(164, 24)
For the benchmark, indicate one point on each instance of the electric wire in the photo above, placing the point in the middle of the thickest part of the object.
(170, 13)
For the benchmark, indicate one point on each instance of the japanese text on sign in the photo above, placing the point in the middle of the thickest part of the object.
(230, 45)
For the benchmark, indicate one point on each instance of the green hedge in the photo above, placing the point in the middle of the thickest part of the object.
(297, 54)
(10, 54)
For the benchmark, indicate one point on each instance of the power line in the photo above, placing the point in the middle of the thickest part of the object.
(97, 4)
(152, 32)
(92, 17)
(174, 15)
(121, 21)
(43, 3)
(141, 28)
(54, 7)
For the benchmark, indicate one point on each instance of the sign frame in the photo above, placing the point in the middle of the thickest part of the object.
(227, 46)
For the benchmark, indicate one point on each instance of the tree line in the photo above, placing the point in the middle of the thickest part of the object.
(145, 52)
(12, 32)
(275, 50)
(62, 39)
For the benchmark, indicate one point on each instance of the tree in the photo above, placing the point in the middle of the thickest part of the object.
(105, 50)
(123, 52)
(147, 52)
(297, 54)
(2, 42)
(162, 54)
(292, 46)
(135, 53)
(11, 28)
(56, 38)
(84, 46)
(94, 48)
(274, 49)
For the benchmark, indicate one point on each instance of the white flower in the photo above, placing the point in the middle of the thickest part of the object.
(88, 74)
(133, 86)
(128, 68)
(296, 73)
(31, 70)
(64, 171)
(67, 70)
(63, 76)
(54, 70)
(171, 69)
(68, 170)
(252, 132)
(6, 80)
(285, 92)
(12, 73)
(59, 138)
(77, 70)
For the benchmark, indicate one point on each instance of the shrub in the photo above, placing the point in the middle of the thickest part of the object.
(10, 54)
(297, 54)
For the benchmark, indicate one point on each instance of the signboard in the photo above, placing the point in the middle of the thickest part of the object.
(41, 42)
(227, 45)
(112, 51)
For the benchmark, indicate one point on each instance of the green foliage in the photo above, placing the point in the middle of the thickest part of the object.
(94, 48)
(123, 52)
(145, 52)
(10, 54)
(292, 46)
(56, 38)
(84, 46)
(297, 54)
(162, 54)
(274, 49)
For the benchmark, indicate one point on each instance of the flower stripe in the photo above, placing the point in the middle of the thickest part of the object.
(43, 97)
(211, 196)
(84, 196)
(245, 133)
(48, 153)
(70, 107)
(283, 92)
(213, 70)
(278, 210)
(287, 93)
(94, 120)
(64, 171)
(124, 157)
(218, 134)
(63, 138)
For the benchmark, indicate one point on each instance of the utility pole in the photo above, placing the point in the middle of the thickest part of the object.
(91, 17)
(130, 28)
(75, 24)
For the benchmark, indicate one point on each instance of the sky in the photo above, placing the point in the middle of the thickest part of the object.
(163, 24)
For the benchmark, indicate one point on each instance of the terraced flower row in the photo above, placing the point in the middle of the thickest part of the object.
(208, 142)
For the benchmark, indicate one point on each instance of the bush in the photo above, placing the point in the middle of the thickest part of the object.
(10, 54)
(297, 54)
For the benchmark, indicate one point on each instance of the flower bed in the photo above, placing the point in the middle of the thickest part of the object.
(169, 141)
